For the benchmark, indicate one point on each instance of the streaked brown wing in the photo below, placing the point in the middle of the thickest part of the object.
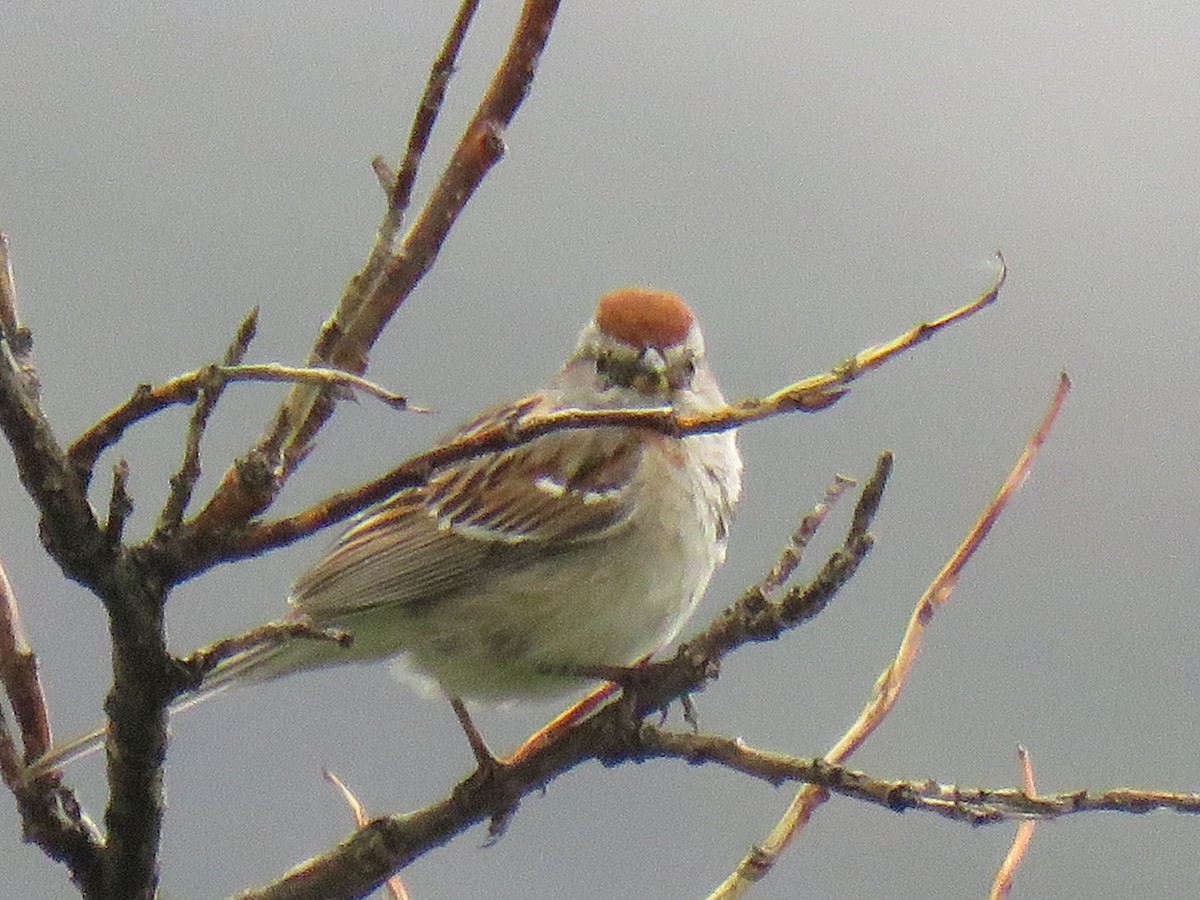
(477, 519)
(561, 487)
(397, 554)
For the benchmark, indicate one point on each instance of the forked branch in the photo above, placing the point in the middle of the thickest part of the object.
(392, 270)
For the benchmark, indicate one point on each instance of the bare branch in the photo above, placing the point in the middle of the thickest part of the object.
(184, 479)
(400, 192)
(972, 806)
(755, 865)
(49, 812)
(1002, 884)
(793, 553)
(202, 662)
(148, 400)
(374, 294)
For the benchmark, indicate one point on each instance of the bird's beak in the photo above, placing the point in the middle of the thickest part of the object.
(652, 372)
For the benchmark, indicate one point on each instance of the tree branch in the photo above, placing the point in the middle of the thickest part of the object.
(971, 806)
(1002, 883)
(755, 865)
(68, 524)
(374, 294)
(147, 400)
(50, 814)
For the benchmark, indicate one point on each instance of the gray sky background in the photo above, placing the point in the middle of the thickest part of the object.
(814, 178)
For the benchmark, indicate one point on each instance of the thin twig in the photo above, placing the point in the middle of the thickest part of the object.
(120, 504)
(395, 886)
(150, 399)
(202, 662)
(972, 806)
(19, 675)
(400, 192)
(793, 553)
(398, 183)
(184, 480)
(755, 865)
(1002, 884)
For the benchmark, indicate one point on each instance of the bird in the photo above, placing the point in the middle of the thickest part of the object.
(513, 574)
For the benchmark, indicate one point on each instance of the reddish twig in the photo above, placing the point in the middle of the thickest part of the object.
(50, 814)
(394, 885)
(888, 686)
(19, 675)
(1002, 884)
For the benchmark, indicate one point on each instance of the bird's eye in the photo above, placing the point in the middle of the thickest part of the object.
(683, 373)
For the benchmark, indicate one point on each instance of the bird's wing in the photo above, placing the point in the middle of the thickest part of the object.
(478, 518)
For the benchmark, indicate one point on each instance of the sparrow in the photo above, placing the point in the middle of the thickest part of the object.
(508, 575)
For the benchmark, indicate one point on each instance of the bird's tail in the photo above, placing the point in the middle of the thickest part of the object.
(258, 663)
